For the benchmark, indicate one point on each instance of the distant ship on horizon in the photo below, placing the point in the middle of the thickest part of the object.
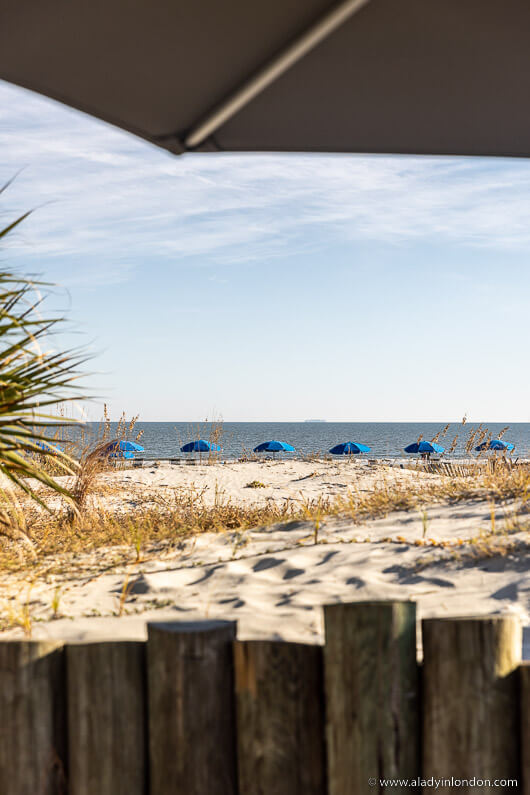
(315, 420)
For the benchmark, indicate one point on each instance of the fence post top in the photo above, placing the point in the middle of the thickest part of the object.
(365, 603)
(44, 645)
(191, 627)
(498, 618)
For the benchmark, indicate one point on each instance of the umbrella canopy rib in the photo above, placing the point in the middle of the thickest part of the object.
(273, 70)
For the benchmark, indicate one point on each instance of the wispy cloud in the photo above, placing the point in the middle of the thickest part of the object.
(108, 198)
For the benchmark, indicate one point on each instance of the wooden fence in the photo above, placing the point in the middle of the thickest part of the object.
(195, 712)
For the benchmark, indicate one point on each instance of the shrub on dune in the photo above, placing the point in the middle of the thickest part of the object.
(35, 381)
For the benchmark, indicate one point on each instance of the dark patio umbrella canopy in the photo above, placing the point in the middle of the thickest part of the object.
(396, 76)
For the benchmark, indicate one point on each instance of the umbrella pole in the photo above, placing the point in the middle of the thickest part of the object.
(268, 74)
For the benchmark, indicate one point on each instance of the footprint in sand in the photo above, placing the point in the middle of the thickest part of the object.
(357, 581)
(237, 602)
(205, 576)
(407, 576)
(286, 599)
(139, 586)
(510, 591)
(327, 557)
(290, 573)
(267, 563)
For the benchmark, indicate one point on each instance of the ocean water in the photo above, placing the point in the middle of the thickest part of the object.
(387, 439)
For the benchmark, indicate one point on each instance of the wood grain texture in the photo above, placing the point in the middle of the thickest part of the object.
(191, 708)
(32, 718)
(280, 718)
(470, 699)
(371, 686)
(107, 718)
(524, 682)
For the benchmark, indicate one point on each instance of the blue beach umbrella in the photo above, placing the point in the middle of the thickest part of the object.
(49, 447)
(424, 447)
(496, 444)
(199, 446)
(123, 449)
(349, 448)
(274, 447)
(123, 446)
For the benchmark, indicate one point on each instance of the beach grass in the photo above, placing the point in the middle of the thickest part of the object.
(117, 532)
(154, 520)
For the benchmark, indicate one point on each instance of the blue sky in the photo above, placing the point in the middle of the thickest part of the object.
(275, 287)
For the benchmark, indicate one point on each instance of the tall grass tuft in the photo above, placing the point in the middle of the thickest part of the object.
(94, 458)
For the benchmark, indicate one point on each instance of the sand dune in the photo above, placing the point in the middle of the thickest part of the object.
(274, 580)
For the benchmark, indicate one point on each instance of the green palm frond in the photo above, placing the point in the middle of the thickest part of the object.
(33, 381)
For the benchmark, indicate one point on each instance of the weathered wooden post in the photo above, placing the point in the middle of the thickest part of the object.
(280, 718)
(371, 686)
(524, 681)
(470, 700)
(32, 718)
(107, 718)
(191, 708)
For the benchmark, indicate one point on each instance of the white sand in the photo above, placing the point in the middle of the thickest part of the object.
(273, 581)
(296, 481)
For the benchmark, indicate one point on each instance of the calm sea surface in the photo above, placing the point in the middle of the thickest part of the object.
(387, 439)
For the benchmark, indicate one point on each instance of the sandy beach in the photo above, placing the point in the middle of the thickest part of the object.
(258, 482)
(273, 580)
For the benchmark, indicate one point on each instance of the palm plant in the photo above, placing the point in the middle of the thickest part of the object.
(33, 382)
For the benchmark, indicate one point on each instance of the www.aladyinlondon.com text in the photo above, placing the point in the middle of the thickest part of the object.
(441, 783)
